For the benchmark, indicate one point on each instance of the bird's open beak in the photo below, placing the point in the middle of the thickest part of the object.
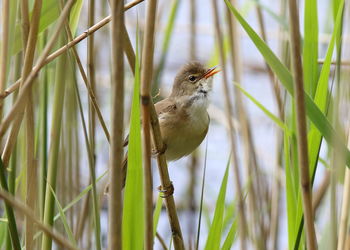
(210, 72)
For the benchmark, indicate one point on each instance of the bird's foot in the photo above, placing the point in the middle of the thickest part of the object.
(166, 191)
(156, 152)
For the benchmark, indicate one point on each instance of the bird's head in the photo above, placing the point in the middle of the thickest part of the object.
(193, 79)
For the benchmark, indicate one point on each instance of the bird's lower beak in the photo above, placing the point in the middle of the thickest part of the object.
(210, 72)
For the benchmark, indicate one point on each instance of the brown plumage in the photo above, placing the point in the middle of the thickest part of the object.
(183, 117)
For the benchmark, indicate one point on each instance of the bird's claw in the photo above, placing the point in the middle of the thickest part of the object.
(156, 152)
(166, 191)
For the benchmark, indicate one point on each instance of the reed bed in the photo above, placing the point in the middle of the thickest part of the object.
(78, 82)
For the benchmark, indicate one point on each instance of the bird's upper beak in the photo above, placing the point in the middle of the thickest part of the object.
(210, 72)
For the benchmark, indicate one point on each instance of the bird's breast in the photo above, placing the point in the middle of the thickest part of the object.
(184, 131)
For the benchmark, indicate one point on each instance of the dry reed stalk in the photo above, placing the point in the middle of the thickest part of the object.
(161, 241)
(91, 161)
(69, 45)
(275, 194)
(232, 136)
(193, 30)
(19, 105)
(193, 165)
(251, 166)
(43, 59)
(4, 49)
(165, 181)
(91, 74)
(115, 204)
(342, 63)
(303, 160)
(25, 22)
(344, 215)
(129, 51)
(320, 192)
(31, 177)
(89, 87)
(28, 212)
(146, 80)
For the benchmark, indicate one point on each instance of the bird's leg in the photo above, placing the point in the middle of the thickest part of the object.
(156, 152)
(166, 191)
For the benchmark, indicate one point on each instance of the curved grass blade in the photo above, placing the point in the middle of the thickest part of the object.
(215, 230)
(12, 226)
(74, 201)
(310, 47)
(74, 15)
(64, 219)
(274, 118)
(201, 198)
(231, 236)
(156, 214)
(313, 112)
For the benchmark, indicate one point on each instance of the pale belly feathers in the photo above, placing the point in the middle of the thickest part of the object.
(184, 135)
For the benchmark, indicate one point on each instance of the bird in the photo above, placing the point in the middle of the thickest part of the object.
(183, 116)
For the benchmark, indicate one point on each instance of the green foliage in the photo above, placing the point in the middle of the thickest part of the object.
(156, 214)
(64, 219)
(310, 47)
(134, 208)
(215, 230)
(49, 13)
(285, 77)
(74, 15)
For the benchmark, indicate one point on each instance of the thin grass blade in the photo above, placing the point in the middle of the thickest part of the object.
(134, 203)
(156, 214)
(215, 230)
(64, 220)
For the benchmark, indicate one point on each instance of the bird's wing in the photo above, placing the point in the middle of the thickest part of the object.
(165, 106)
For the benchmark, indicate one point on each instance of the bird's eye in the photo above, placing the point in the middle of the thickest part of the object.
(192, 78)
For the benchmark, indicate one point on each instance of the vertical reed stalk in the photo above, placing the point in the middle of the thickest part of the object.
(66, 47)
(117, 121)
(54, 145)
(25, 22)
(344, 215)
(18, 107)
(165, 181)
(232, 135)
(91, 75)
(193, 165)
(301, 126)
(12, 226)
(193, 34)
(146, 80)
(44, 134)
(275, 194)
(92, 173)
(31, 178)
(4, 49)
(251, 166)
(13, 202)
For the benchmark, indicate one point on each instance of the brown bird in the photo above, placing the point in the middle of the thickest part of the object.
(183, 116)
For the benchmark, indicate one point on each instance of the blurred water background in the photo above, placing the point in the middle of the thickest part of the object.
(255, 80)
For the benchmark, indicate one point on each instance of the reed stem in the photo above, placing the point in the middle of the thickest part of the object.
(146, 80)
(303, 160)
(117, 129)
(232, 133)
